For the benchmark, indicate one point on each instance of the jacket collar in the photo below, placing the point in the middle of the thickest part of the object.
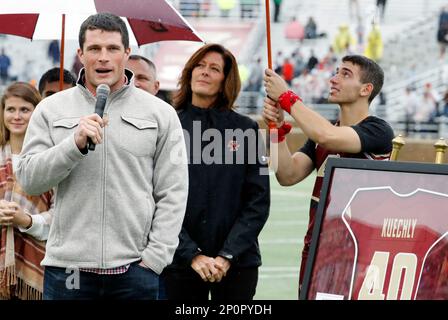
(120, 92)
(218, 117)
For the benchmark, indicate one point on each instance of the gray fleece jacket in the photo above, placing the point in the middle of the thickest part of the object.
(124, 201)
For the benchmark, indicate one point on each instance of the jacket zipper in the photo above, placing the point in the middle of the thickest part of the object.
(103, 217)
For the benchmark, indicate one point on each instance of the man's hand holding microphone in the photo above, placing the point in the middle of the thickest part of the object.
(89, 132)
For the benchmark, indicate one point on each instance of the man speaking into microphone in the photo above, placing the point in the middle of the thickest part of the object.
(120, 198)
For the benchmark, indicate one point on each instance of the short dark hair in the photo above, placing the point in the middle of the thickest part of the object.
(52, 75)
(371, 72)
(106, 22)
(139, 57)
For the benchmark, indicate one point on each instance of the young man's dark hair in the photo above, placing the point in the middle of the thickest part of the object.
(107, 22)
(53, 75)
(371, 72)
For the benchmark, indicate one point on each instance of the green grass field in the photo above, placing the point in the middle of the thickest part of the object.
(281, 240)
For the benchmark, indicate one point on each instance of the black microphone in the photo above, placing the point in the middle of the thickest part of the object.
(102, 92)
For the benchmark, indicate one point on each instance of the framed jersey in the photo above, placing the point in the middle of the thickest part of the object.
(381, 232)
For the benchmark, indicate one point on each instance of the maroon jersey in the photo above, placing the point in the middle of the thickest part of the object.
(394, 236)
(376, 144)
(386, 246)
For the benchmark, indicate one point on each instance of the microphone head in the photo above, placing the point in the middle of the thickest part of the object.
(102, 90)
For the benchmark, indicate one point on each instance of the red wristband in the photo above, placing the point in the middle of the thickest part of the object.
(280, 135)
(287, 100)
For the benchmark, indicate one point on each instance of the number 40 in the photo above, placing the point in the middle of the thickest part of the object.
(373, 284)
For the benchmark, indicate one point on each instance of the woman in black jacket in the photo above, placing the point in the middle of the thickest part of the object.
(229, 199)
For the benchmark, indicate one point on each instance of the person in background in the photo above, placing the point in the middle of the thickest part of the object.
(381, 6)
(442, 31)
(277, 7)
(228, 201)
(5, 64)
(24, 219)
(410, 102)
(49, 82)
(294, 30)
(53, 52)
(145, 73)
(225, 6)
(310, 29)
(344, 40)
(374, 47)
(288, 71)
(76, 66)
(355, 135)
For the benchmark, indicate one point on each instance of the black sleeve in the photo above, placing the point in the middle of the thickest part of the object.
(309, 148)
(255, 205)
(376, 135)
(187, 248)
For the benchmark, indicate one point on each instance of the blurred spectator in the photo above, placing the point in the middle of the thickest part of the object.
(427, 107)
(277, 6)
(353, 7)
(145, 73)
(410, 102)
(247, 8)
(299, 85)
(298, 61)
(382, 98)
(243, 72)
(374, 47)
(76, 66)
(205, 7)
(287, 71)
(189, 8)
(254, 85)
(316, 86)
(328, 62)
(442, 31)
(432, 92)
(360, 33)
(444, 106)
(343, 40)
(294, 30)
(225, 6)
(49, 82)
(53, 52)
(278, 62)
(381, 6)
(5, 63)
(311, 29)
(312, 61)
(255, 80)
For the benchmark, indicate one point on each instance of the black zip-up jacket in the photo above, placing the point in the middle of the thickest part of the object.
(228, 203)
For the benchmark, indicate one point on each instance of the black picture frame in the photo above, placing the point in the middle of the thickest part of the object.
(343, 178)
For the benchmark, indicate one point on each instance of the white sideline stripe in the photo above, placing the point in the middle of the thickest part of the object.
(282, 241)
(286, 210)
(288, 223)
(279, 276)
(297, 194)
(279, 269)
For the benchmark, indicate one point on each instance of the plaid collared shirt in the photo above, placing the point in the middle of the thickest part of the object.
(117, 270)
